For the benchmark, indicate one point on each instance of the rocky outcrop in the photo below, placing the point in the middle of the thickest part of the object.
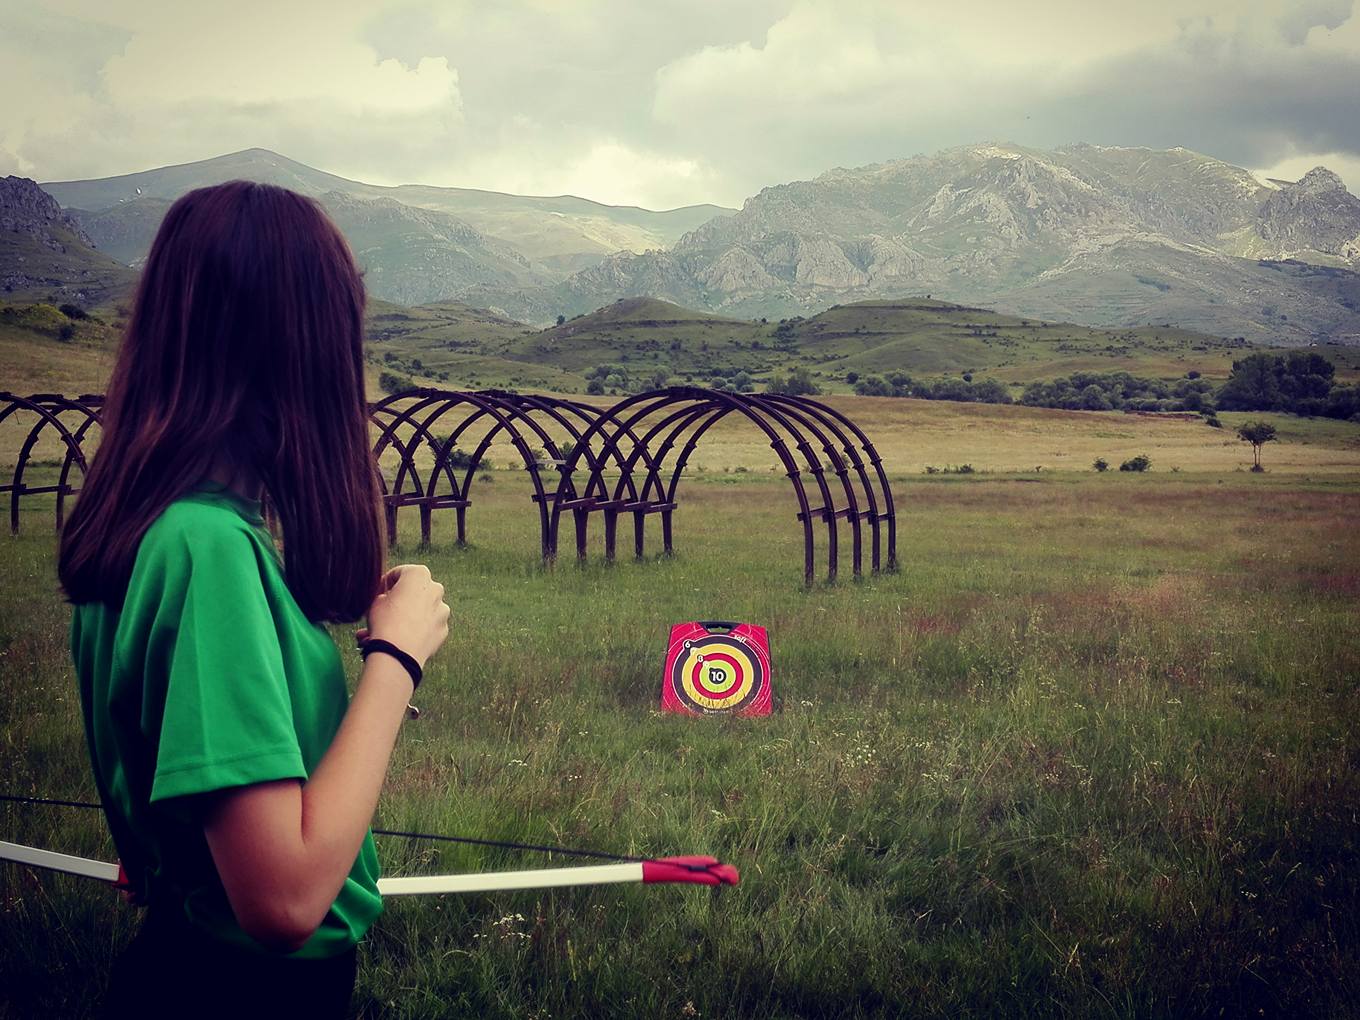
(26, 209)
(736, 271)
(1316, 214)
(46, 256)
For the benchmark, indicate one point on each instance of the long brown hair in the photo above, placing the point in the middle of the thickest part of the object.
(245, 346)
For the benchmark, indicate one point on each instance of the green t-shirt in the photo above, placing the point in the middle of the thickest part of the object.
(209, 677)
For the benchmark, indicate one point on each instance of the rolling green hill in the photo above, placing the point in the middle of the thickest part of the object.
(454, 345)
(918, 336)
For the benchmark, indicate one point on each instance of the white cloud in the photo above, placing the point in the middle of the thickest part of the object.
(290, 57)
(841, 82)
(173, 83)
(668, 102)
(606, 170)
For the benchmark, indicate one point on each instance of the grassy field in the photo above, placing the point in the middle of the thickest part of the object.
(1092, 751)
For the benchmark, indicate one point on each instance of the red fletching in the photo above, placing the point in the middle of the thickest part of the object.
(698, 870)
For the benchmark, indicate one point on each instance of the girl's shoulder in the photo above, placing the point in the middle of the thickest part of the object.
(199, 529)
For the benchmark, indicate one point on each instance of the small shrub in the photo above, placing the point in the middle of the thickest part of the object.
(1140, 463)
(67, 333)
(73, 311)
(1101, 464)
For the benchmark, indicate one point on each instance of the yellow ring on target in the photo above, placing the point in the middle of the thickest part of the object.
(698, 655)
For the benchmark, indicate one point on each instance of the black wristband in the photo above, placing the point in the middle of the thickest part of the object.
(379, 645)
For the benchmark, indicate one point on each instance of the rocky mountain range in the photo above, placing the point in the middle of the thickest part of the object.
(1114, 236)
(561, 234)
(1103, 235)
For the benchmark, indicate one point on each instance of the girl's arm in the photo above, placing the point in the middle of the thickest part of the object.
(283, 849)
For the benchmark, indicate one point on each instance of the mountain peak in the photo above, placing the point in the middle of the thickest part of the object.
(1321, 179)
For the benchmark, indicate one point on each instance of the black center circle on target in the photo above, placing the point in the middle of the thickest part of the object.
(716, 675)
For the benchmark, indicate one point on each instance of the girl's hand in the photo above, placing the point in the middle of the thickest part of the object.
(410, 612)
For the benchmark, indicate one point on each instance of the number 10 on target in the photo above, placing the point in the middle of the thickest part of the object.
(717, 667)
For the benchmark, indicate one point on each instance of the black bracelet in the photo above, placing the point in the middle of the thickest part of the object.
(379, 645)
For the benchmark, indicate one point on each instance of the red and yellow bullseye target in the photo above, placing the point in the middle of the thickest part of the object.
(717, 669)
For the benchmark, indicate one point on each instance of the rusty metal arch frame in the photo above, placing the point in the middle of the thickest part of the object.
(566, 495)
(887, 515)
(641, 507)
(448, 399)
(721, 403)
(635, 436)
(749, 405)
(48, 407)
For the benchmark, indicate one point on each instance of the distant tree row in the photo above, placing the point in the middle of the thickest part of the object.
(1120, 391)
(1299, 382)
(899, 384)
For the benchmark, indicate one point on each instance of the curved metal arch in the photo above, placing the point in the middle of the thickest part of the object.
(48, 407)
(644, 506)
(888, 514)
(829, 511)
(450, 399)
(486, 404)
(532, 464)
(826, 418)
(749, 405)
(655, 399)
(581, 503)
(75, 455)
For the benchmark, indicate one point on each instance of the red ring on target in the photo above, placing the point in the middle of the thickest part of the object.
(698, 675)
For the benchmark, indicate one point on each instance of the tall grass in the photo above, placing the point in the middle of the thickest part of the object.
(1091, 752)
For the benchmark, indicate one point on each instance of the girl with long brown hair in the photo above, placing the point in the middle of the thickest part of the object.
(238, 778)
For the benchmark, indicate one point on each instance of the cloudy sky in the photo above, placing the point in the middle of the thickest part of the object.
(665, 102)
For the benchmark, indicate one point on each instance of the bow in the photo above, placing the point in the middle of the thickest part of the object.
(695, 870)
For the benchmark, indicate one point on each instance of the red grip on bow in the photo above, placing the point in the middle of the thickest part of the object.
(698, 870)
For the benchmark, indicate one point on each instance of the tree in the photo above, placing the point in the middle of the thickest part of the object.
(561, 319)
(1254, 385)
(1257, 433)
(797, 382)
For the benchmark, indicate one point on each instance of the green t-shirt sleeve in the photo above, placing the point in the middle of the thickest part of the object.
(228, 718)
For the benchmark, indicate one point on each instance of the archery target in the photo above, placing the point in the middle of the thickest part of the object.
(712, 674)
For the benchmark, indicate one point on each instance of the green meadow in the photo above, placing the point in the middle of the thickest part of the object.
(1092, 751)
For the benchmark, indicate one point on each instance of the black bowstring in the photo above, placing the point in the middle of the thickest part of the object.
(472, 841)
